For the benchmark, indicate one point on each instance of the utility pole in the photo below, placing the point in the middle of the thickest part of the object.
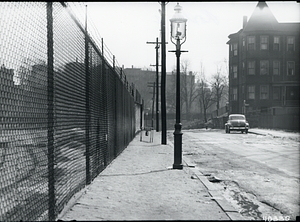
(152, 84)
(163, 76)
(157, 111)
(157, 82)
(245, 105)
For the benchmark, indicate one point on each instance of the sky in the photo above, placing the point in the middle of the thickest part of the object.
(126, 27)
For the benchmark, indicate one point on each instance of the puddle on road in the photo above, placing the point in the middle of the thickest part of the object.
(248, 207)
(245, 202)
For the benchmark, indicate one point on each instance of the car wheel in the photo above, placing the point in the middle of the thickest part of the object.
(246, 131)
(242, 131)
(228, 130)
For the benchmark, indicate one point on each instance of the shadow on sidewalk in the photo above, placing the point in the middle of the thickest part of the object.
(136, 174)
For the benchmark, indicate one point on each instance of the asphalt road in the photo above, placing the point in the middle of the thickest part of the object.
(258, 174)
(277, 153)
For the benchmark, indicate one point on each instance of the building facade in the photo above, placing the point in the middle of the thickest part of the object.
(264, 70)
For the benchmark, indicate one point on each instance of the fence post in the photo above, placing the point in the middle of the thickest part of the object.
(102, 49)
(114, 62)
(104, 90)
(50, 98)
(87, 106)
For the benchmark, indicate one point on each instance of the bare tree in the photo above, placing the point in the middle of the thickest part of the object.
(188, 91)
(205, 94)
(219, 84)
(188, 88)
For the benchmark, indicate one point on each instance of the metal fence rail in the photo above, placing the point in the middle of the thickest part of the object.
(66, 112)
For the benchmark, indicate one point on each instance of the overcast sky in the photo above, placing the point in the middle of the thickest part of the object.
(126, 27)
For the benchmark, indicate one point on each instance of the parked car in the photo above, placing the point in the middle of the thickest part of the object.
(236, 122)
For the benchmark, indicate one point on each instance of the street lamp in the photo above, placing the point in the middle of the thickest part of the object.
(178, 32)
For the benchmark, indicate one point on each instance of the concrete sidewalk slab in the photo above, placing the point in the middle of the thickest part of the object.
(140, 184)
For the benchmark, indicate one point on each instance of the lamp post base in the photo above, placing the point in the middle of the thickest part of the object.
(177, 147)
(177, 166)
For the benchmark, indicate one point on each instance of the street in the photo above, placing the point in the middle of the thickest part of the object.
(257, 174)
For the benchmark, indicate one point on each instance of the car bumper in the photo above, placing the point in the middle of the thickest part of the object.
(238, 127)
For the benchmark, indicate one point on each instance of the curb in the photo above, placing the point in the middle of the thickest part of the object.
(257, 133)
(227, 208)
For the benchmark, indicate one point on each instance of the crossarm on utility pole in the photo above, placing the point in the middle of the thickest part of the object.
(157, 82)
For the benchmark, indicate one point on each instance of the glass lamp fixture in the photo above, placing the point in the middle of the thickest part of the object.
(178, 24)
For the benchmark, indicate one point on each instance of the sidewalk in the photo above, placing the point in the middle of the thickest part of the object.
(140, 184)
(276, 133)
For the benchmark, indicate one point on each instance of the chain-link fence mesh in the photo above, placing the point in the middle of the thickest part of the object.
(23, 77)
(66, 112)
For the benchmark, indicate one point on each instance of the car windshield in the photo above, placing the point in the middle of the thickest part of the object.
(236, 117)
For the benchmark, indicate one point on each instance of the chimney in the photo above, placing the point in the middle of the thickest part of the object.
(244, 21)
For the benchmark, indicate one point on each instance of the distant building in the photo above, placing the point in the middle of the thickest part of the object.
(142, 80)
(264, 70)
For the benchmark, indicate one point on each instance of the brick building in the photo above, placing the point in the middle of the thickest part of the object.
(264, 70)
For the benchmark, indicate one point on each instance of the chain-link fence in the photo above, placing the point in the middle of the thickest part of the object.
(66, 112)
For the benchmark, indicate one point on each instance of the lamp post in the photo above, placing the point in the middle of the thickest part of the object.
(178, 33)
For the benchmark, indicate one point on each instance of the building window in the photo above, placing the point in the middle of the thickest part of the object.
(251, 67)
(292, 93)
(276, 68)
(263, 109)
(290, 68)
(251, 92)
(276, 93)
(234, 70)
(290, 43)
(251, 42)
(234, 94)
(235, 49)
(276, 44)
(264, 67)
(264, 92)
(264, 42)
